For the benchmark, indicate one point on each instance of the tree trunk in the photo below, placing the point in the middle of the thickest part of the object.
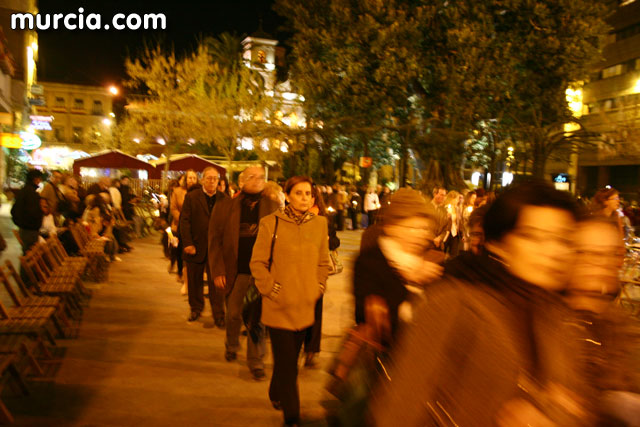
(366, 173)
(539, 161)
(404, 159)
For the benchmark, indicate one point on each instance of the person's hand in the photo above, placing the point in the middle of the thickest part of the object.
(220, 282)
(376, 314)
(190, 250)
(437, 241)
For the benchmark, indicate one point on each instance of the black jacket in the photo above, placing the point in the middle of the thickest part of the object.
(26, 212)
(194, 224)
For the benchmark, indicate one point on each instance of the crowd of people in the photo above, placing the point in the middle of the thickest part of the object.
(48, 204)
(486, 310)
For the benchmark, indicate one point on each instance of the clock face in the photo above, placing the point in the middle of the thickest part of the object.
(262, 57)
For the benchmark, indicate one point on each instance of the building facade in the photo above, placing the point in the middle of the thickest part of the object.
(81, 117)
(611, 107)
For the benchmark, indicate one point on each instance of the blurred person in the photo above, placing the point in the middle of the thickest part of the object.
(74, 206)
(606, 203)
(233, 230)
(233, 189)
(274, 192)
(338, 201)
(100, 186)
(129, 199)
(453, 240)
(116, 197)
(194, 233)
(371, 205)
(26, 212)
(313, 334)
(397, 256)
(175, 207)
(468, 206)
(52, 194)
(491, 345)
(385, 196)
(355, 206)
(48, 227)
(99, 222)
(291, 273)
(442, 216)
(223, 186)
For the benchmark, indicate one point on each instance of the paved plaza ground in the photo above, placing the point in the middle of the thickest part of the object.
(137, 361)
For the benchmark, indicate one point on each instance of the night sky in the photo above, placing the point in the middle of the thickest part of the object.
(97, 57)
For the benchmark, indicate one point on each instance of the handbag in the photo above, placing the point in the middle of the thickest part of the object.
(356, 371)
(336, 266)
(252, 302)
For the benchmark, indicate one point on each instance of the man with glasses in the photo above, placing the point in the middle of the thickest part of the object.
(232, 233)
(194, 230)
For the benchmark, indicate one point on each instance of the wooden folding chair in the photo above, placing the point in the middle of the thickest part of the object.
(23, 298)
(7, 365)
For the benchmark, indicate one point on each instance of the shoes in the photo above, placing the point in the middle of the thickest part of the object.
(309, 360)
(122, 250)
(220, 322)
(180, 279)
(276, 405)
(230, 356)
(258, 374)
(117, 259)
(170, 269)
(194, 316)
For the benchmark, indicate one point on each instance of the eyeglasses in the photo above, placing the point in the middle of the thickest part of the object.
(212, 178)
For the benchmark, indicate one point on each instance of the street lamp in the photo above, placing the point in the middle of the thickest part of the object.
(113, 90)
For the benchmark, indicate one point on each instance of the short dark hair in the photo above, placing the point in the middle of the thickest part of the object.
(602, 195)
(503, 214)
(295, 180)
(33, 174)
(437, 188)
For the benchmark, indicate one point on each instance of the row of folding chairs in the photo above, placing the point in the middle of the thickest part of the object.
(37, 316)
(92, 249)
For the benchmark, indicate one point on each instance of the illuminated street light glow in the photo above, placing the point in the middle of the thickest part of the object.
(113, 90)
(161, 141)
(112, 114)
(136, 140)
(106, 122)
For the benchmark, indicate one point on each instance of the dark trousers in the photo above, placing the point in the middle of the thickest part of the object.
(195, 288)
(340, 220)
(29, 238)
(313, 334)
(354, 218)
(176, 257)
(373, 216)
(285, 346)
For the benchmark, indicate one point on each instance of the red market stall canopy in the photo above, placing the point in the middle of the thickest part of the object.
(184, 162)
(113, 159)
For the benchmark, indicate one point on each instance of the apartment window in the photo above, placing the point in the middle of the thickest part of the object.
(593, 108)
(78, 104)
(58, 133)
(610, 104)
(77, 135)
(97, 108)
(59, 102)
(613, 71)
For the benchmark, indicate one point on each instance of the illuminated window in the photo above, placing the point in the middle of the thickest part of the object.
(97, 108)
(58, 133)
(610, 104)
(77, 135)
(59, 102)
(613, 71)
(262, 57)
(78, 104)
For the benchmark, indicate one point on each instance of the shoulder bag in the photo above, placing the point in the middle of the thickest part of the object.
(252, 302)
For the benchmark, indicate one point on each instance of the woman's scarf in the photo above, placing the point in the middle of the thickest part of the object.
(298, 218)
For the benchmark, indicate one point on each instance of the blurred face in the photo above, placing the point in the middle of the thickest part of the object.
(192, 179)
(439, 196)
(56, 177)
(301, 197)
(210, 181)
(613, 202)
(599, 256)
(539, 249)
(222, 186)
(476, 238)
(253, 180)
(125, 181)
(44, 207)
(472, 199)
(416, 233)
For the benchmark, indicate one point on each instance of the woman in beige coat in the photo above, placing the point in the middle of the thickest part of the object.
(290, 264)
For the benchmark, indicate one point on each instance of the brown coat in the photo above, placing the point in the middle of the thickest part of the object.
(466, 356)
(177, 200)
(224, 235)
(300, 266)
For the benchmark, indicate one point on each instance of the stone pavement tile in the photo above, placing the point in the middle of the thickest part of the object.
(137, 361)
